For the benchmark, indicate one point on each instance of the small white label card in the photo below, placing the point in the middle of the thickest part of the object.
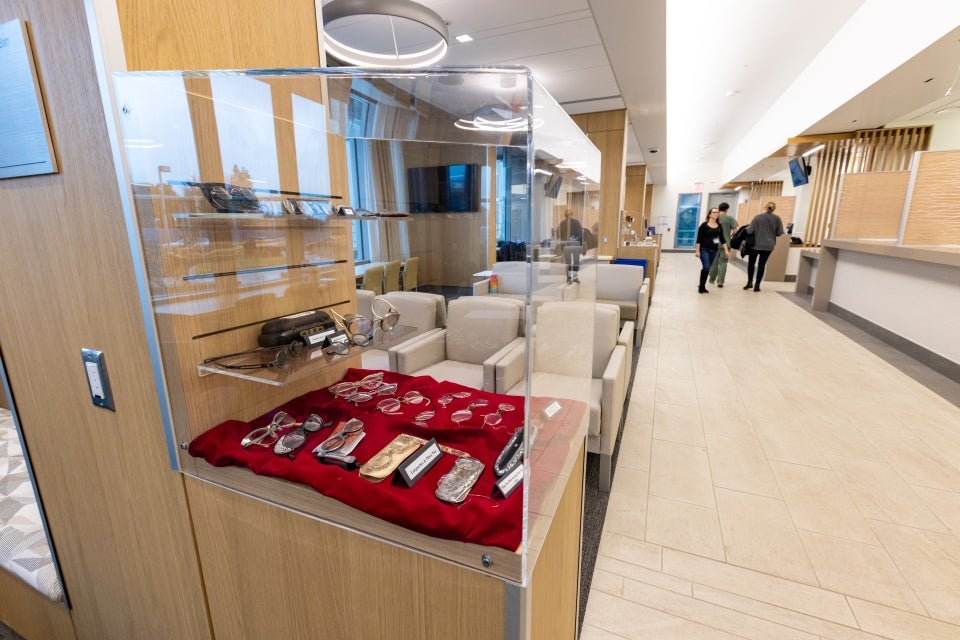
(421, 461)
(551, 410)
(510, 480)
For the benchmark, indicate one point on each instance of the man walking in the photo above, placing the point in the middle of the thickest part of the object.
(718, 270)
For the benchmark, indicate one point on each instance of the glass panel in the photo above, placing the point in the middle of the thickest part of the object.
(237, 180)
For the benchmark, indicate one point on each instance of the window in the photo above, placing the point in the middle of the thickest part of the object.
(358, 114)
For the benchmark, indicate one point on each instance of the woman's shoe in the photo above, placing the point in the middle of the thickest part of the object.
(749, 285)
(756, 288)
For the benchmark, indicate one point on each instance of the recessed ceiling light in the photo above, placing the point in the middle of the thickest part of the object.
(465, 38)
(731, 92)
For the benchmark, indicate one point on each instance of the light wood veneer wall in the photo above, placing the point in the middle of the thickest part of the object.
(608, 131)
(871, 205)
(934, 202)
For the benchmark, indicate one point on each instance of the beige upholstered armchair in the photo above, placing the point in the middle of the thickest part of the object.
(567, 363)
(623, 285)
(424, 312)
(480, 330)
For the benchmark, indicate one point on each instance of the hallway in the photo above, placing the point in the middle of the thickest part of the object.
(776, 481)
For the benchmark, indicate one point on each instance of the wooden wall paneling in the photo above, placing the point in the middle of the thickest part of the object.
(31, 614)
(225, 34)
(870, 205)
(635, 190)
(117, 512)
(554, 586)
(607, 130)
(934, 202)
(318, 588)
(648, 204)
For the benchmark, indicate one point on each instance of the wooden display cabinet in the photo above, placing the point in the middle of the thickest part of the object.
(278, 558)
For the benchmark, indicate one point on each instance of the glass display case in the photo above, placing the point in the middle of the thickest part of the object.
(256, 194)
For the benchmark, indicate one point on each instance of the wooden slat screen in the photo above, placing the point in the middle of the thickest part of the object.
(871, 205)
(933, 217)
(864, 151)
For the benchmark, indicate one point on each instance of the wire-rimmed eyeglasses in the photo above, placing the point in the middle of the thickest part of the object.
(291, 350)
(337, 440)
(268, 435)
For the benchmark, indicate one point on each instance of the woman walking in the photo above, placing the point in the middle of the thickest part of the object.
(710, 241)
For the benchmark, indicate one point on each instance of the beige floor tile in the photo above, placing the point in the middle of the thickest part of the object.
(677, 390)
(627, 506)
(684, 526)
(681, 472)
(607, 582)
(728, 620)
(788, 442)
(818, 502)
(678, 423)
(759, 586)
(900, 625)
(759, 534)
(629, 549)
(727, 417)
(860, 570)
(642, 574)
(914, 460)
(590, 632)
(817, 626)
(931, 564)
(741, 465)
(635, 445)
(881, 494)
(631, 620)
(946, 504)
(836, 436)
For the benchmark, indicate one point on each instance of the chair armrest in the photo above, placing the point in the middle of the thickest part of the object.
(481, 288)
(490, 364)
(419, 354)
(509, 369)
(626, 337)
(612, 397)
(394, 350)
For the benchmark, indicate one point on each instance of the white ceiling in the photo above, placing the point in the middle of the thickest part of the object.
(595, 55)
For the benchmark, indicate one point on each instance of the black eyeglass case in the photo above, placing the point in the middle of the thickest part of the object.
(309, 327)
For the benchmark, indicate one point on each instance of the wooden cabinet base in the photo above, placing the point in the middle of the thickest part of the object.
(31, 614)
(273, 572)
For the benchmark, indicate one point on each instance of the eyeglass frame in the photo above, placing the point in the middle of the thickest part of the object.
(350, 427)
(269, 431)
(279, 360)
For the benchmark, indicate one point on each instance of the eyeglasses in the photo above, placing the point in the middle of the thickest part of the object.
(268, 435)
(337, 440)
(386, 319)
(372, 382)
(291, 350)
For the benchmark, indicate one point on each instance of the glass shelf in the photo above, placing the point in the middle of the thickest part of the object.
(305, 365)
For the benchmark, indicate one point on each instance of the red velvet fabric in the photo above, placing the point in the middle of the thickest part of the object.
(485, 517)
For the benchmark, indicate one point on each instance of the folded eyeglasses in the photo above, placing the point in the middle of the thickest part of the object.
(360, 328)
(267, 436)
(291, 350)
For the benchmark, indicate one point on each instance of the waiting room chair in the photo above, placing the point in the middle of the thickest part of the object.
(425, 312)
(568, 364)
(480, 330)
(373, 279)
(391, 276)
(410, 273)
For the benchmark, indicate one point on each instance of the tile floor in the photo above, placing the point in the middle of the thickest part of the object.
(776, 480)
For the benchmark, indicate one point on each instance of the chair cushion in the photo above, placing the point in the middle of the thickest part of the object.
(417, 310)
(470, 375)
(559, 349)
(511, 277)
(479, 326)
(619, 281)
(550, 385)
(628, 309)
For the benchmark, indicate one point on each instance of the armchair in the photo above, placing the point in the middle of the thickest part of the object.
(567, 365)
(622, 285)
(425, 312)
(480, 330)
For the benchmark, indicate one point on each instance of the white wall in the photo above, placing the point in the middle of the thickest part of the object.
(915, 300)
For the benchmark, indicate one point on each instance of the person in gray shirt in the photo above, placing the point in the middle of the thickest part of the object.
(764, 228)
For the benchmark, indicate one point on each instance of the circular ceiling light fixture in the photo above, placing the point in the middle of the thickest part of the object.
(392, 34)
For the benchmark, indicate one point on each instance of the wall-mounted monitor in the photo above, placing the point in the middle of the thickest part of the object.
(799, 171)
(452, 188)
(552, 186)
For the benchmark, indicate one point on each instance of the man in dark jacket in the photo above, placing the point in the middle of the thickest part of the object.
(764, 228)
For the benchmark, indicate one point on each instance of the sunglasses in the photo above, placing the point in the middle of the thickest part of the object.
(291, 350)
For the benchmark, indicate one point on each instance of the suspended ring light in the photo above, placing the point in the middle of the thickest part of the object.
(403, 12)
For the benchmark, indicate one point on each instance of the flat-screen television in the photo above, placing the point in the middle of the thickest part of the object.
(451, 188)
(799, 171)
